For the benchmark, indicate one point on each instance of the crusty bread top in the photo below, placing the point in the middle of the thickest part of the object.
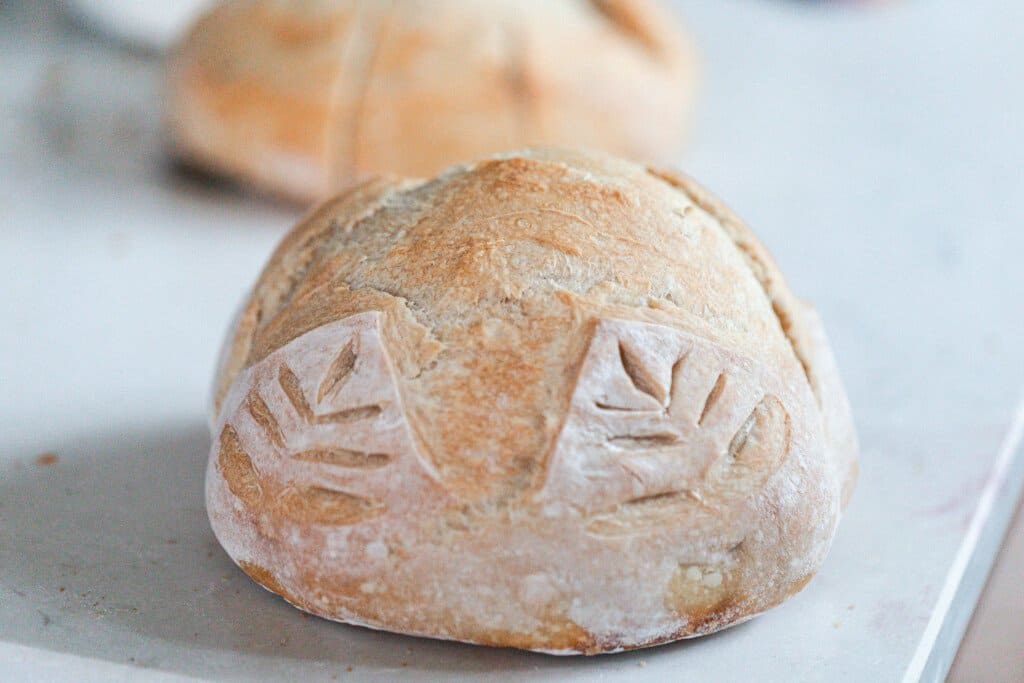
(490, 279)
(309, 96)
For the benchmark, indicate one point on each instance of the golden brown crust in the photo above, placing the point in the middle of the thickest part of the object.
(249, 92)
(509, 380)
(798, 321)
(304, 98)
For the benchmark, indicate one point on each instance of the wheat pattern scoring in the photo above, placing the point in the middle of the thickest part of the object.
(664, 425)
(332, 449)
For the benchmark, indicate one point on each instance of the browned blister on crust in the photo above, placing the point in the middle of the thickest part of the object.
(305, 98)
(549, 400)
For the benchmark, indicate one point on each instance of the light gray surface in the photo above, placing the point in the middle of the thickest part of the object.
(876, 149)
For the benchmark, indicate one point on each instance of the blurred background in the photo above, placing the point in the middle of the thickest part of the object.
(876, 148)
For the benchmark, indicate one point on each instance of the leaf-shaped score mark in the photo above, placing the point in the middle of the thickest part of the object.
(318, 505)
(260, 412)
(712, 399)
(643, 378)
(339, 372)
(315, 433)
(237, 469)
(292, 388)
(664, 425)
(754, 454)
(306, 504)
(343, 457)
(646, 440)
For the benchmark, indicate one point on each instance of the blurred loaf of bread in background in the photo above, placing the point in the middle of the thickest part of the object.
(303, 98)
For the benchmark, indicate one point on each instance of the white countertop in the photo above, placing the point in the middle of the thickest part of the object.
(876, 149)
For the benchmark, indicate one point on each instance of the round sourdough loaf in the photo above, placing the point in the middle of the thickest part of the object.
(305, 98)
(549, 400)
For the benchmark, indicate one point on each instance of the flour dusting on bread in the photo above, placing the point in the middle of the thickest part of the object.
(542, 401)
